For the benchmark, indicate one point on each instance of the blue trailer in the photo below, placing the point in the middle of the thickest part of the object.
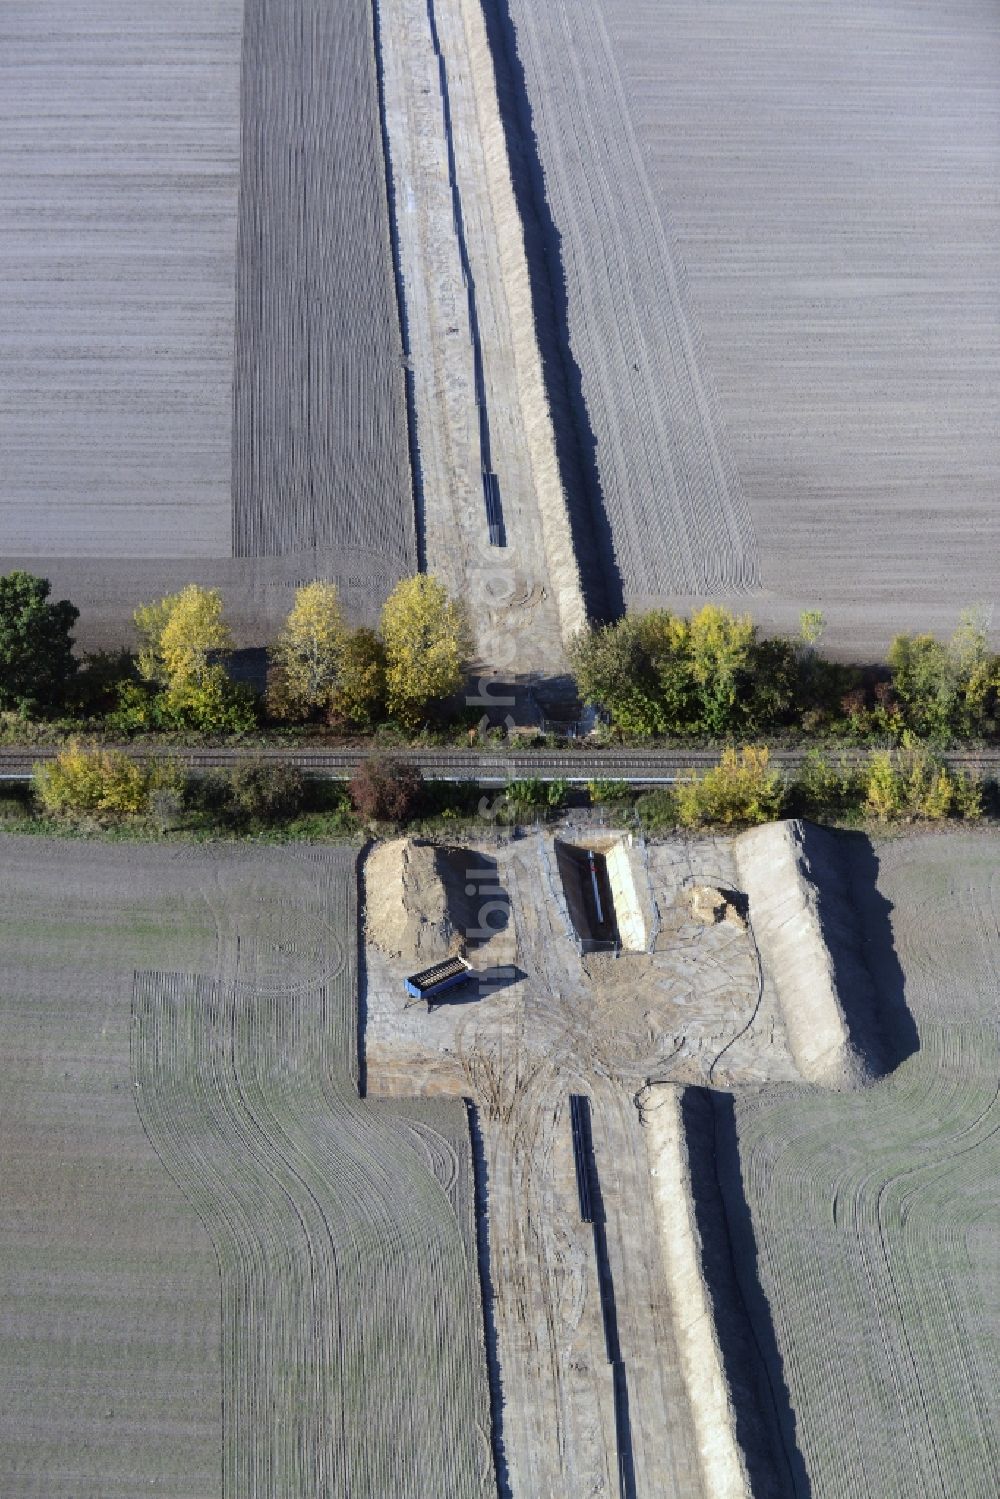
(431, 982)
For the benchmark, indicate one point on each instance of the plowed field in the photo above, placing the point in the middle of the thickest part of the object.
(200, 354)
(224, 1274)
(774, 232)
(875, 1214)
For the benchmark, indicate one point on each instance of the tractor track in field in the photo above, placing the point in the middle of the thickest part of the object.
(866, 1212)
(344, 1229)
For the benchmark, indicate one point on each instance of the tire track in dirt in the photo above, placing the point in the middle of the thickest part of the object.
(881, 1314)
(353, 1347)
(670, 487)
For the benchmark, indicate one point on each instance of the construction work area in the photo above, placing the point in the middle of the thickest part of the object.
(493, 512)
(559, 1162)
(651, 981)
(555, 1164)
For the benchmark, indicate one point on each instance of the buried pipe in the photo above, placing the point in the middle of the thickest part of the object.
(593, 881)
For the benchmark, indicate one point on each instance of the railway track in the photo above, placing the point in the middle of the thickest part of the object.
(641, 767)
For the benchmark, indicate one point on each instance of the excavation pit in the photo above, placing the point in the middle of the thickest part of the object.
(587, 890)
(599, 887)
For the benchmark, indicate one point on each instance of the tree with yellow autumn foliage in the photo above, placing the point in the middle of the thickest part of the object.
(307, 656)
(427, 642)
(179, 635)
(181, 639)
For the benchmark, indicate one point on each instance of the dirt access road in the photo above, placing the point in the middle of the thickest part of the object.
(479, 398)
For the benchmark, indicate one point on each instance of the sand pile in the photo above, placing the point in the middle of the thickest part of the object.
(811, 950)
(421, 901)
(710, 905)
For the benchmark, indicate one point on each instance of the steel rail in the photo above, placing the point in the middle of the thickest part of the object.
(488, 768)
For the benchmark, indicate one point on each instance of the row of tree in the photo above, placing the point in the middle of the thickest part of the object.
(319, 667)
(710, 676)
(714, 676)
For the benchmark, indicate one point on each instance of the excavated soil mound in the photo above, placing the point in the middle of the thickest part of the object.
(721, 1459)
(424, 902)
(710, 906)
(811, 948)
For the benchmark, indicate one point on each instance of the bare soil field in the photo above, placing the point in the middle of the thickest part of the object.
(775, 237)
(119, 174)
(224, 1273)
(320, 443)
(200, 352)
(109, 1313)
(875, 1214)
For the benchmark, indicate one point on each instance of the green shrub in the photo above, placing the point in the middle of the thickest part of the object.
(264, 791)
(136, 710)
(15, 805)
(912, 783)
(947, 690)
(526, 793)
(614, 670)
(603, 792)
(100, 681)
(209, 795)
(968, 796)
(361, 688)
(85, 780)
(209, 703)
(824, 787)
(741, 790)
(659, 673)
(883, 788)
(657, 810)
